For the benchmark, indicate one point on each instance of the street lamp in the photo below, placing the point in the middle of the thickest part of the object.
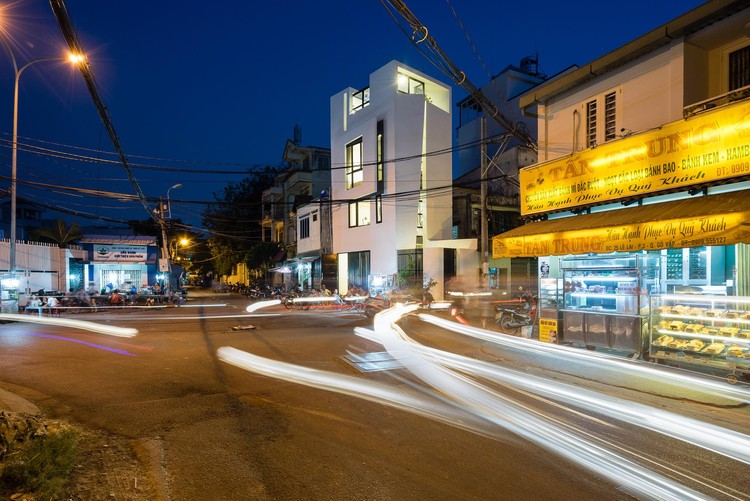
(73, 58)
(164, 250)
(169, 203)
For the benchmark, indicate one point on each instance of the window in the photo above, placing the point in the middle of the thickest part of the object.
(304, 227)
(360, 99)
(601, 119)
(354, 174)
(380, 156)
(359, 213)
(739, 68)
(591, 124)
(379, 209)
(409, 85)
(610, 129)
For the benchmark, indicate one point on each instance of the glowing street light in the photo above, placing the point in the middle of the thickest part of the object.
(73, 58)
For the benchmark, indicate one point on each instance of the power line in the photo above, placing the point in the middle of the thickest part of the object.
(420, 34)
(68, 32)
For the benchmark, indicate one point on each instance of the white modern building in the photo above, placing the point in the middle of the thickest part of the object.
(391, 177)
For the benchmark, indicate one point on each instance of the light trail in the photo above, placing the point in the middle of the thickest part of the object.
(71, 323)
(356, 387)
(468, 395)
(85, 343)
(262, 304)
(172, 318)
(600, 361)
(714, 438)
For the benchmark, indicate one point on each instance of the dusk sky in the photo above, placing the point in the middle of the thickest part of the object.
(193, 88)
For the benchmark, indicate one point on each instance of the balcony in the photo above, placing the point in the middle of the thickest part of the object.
(723, 99)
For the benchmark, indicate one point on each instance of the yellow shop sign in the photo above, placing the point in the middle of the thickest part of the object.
(714, 220)
(712, 146)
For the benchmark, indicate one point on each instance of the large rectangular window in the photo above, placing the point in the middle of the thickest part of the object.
(409, 85)
(359, 213)
(354, 173)
(360, 99)
(304, 227)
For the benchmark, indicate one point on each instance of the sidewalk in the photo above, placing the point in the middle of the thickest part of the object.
(10, 402)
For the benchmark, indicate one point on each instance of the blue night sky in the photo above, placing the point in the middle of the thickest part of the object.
(198, 87)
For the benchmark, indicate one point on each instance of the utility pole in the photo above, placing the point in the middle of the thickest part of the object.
(483, 195)
(165, 264)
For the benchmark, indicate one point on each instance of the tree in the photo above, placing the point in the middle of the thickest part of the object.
(234, 219)
(60, 233)
(259, 257)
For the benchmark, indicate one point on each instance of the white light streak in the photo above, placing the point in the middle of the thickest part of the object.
(600, 361)
(452, 378)
(262, 304)
(74, 324)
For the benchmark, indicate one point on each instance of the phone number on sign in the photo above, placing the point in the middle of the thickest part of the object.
(704, 241)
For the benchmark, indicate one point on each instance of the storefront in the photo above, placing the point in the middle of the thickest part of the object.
(121, 263)
(663, 212)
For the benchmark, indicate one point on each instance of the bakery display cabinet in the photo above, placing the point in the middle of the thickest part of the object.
(711, 332)
(605, 299)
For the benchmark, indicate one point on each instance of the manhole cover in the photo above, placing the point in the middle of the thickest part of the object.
(371, 362)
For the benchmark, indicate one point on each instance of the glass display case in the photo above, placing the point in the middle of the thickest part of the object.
(605, 299)
(550, 295)
(712, 332)
(549, 313)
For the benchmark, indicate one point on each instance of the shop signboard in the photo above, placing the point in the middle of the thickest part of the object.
(119, 253)
(713, 146)
(717, 229)
(547, 330)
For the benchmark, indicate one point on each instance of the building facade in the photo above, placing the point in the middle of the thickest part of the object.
(391, 177)
(504, 154)
(307, 178)
(642, 160)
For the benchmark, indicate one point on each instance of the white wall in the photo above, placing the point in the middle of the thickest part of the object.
(649, 94)
(312, 243)
(413, 125)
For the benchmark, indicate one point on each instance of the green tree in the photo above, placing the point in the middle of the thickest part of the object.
(234, 219)
(60, 233)
(258, 257)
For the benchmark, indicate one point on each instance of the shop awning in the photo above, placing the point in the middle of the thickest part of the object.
(706, 220)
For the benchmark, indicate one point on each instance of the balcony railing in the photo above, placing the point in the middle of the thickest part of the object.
(708, 104)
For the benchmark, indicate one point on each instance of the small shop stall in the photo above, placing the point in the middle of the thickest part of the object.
(646, 247)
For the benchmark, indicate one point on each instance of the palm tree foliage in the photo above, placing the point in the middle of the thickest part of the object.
(60, 233)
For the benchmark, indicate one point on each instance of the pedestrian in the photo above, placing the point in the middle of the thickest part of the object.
(53, 304)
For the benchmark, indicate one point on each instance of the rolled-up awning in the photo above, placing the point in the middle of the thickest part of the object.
(706, 220)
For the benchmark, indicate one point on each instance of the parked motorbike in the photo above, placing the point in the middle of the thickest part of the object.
(512, 319)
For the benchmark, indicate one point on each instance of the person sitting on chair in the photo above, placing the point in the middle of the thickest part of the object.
(52, 304)
(34, 304)
(116, 299)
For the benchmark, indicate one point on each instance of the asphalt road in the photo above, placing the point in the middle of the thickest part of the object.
(216, 431)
